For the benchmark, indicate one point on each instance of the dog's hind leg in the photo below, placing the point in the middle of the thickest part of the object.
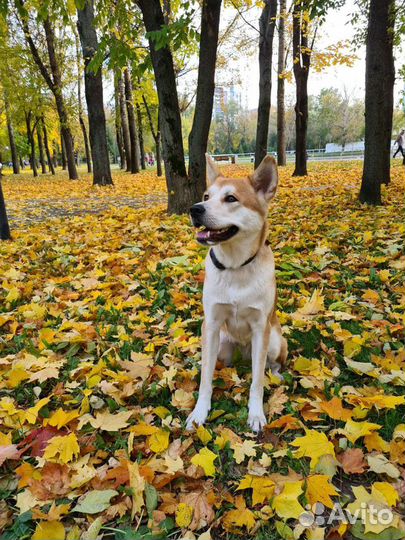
(226, 348)
(278, 348)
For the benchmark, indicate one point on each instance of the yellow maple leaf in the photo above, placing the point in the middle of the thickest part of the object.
(47, 530)
(355, 430)
(314, 305)
(286, 504)
(244, 449)
(203, 434)
(388, 491)
(159, 441)
(110, 421)
(137, 484)
(184, 515)
(262, 486)
(61, 418)
(241, 517)
(62, 449)
(335, 409)
(143, 429)
(31, 414)
(205, 459)
(375, 442)
(313, 444)
(319, 489)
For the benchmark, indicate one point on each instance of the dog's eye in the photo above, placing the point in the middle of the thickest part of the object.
(206, 197)
(230, 198)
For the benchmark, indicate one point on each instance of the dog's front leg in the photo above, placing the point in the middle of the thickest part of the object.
(260, 343)
(210, 346)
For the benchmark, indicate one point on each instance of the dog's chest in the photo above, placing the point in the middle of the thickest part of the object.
(239, 300)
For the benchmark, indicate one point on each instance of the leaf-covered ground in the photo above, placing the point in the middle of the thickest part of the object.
(100, 318)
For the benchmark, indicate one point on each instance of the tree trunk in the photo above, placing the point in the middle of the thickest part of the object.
(62, 152)
(46, 144)
(86, 143)
(31, 142)
(156, 137)
(41, 149)
(281, 135)
(60, 104)
(198, 138)
(118, 126)
(140, 134)
(5, 233)
(53, 79)
(179, 188)
(133, 136)
(80, 101)
(266, 24)
(302, 60)
(93, 85)
(10, 129)
(124, 121)
(380, 78)
(159, 171)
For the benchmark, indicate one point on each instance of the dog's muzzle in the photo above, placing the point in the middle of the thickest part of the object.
(197, 211)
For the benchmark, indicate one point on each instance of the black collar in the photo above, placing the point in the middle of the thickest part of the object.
(220, 266)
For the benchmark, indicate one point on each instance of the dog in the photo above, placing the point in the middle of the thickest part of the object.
(239, 295)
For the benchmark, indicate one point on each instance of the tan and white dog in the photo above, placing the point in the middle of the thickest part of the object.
(240, 286)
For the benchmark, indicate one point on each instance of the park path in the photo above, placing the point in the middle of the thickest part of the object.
(28, 211)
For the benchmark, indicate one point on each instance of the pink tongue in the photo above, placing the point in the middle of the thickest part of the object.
(203, 235)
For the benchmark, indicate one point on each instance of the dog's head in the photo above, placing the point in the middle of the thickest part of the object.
(234, 207)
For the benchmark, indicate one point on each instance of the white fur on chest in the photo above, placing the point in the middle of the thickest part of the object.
(239, 299)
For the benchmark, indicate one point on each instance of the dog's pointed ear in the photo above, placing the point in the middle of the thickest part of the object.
(212, 170)
(265, 178)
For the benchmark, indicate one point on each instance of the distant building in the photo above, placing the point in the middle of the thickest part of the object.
(222, 96)
(349, 147)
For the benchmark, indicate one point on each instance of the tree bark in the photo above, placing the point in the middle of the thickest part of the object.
(41, 148)
(198, 138)
(124, 121)
(46, 144)
(133, 135)
(53, 79)
(380, 78)
(180, 190)
(302, 62)
(60, 103)
(93, 85)
(156, 137)
(11, 138)
(80, 101)
(31, 142)
(266, 24)
(62, 152)
(5, 233)
(118, 126)
(140, 136)
(281, 136)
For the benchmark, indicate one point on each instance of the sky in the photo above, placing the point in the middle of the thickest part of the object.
(337, 27)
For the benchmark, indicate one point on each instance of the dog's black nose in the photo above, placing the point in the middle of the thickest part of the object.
(197, 210)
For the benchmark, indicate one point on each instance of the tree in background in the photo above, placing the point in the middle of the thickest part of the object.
(5, 233)
(380, 78)
(281, 66)
(52, 76)
(198, 138)
(94, 96)
(267, 23)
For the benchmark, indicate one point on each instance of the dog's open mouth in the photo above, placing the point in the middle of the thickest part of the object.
(206, 236)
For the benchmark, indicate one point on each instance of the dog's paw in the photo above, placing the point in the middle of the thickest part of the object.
(256, 419)
(197, 417)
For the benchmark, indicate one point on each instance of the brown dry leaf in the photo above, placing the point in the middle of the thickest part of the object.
(203, 512)
(276, 402)
(352, 461)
